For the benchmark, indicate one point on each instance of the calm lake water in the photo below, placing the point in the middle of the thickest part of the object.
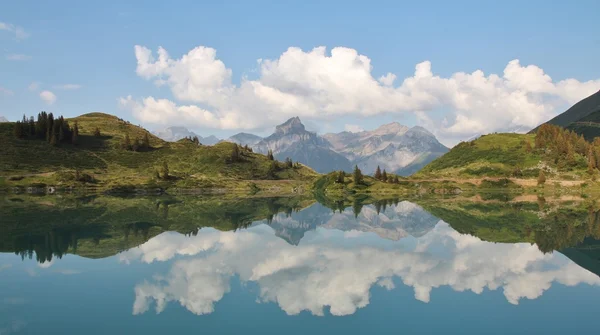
(283, 266)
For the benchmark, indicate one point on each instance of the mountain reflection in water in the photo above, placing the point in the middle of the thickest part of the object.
(308, 256)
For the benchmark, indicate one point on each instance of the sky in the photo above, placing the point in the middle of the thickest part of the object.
(459, 69)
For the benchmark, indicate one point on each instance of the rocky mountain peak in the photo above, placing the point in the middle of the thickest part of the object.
(391, 128)
(293, 125)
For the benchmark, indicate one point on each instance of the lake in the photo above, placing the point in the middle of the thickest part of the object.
(110, 265)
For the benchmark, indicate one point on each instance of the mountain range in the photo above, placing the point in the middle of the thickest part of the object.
(174, 134)
(394, 147)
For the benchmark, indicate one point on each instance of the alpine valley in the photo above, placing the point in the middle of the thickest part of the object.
(394, 147)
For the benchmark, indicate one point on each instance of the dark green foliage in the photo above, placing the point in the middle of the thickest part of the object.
(288, 163)
(235, 154)
(384, 176)
(377, 174)
(126, 144)
(165, 171)
(357, 176)
(341, 176)
(270, 155)
(97, 132)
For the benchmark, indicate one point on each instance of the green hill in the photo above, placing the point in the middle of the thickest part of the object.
(560, 154)
(102, 158)
(577, 112)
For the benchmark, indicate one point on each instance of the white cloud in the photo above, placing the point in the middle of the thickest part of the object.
(18, 57)
(48, 97)
(324, 270)
(317, 86)
(19, 32)
(34, 86)
(353, 128)
(67, 87)
(6, 91)
(388, 79)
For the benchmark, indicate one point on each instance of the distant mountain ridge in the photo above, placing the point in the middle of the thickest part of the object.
(3, 119)
(244, 139)
(174, 134)
(292, 140)
(579, 113)
(394, 147)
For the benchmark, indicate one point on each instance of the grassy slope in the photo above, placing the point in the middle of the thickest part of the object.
(193, 166)
(498, 155)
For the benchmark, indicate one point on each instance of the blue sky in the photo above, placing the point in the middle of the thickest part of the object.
(92, 46)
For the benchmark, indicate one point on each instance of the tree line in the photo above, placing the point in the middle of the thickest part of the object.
(47, 127)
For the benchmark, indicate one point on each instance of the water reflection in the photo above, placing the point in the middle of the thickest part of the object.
(338, 261)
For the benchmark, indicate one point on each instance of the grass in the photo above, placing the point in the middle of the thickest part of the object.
(34, 161)
(501, 155)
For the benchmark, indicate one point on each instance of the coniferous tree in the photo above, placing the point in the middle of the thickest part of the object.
(384, 176)
(340, 177)
(377, 174)
(288, 163)
(126, 145)
(50, 127)
(18, 129)
(270, 155)
(165, 170)
(271, 173)
(235, 153)
(97, 132)
(541, 178)
(357, 176)
(75, 134)
(396, 180)
(146, 141)
(31, 126)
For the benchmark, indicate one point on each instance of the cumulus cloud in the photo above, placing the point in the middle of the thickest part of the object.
(67, 87)
(48, 97)
(324, 270)
(316, 85)
(18, 57)
(353, 128)
(19, 32)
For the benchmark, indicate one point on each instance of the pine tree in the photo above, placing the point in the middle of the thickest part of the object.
(377, 174)
(591, 159)
(271, 173)
(270, 155)
(165, 170)
(18, 130)
(126, 145)
(340, 177)
(396, 180)
(235, 153)
(288, 163)
(97, 132)
(146, 141)
(384, 176)
(357, 176)
(541, 178)
(75, 134)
